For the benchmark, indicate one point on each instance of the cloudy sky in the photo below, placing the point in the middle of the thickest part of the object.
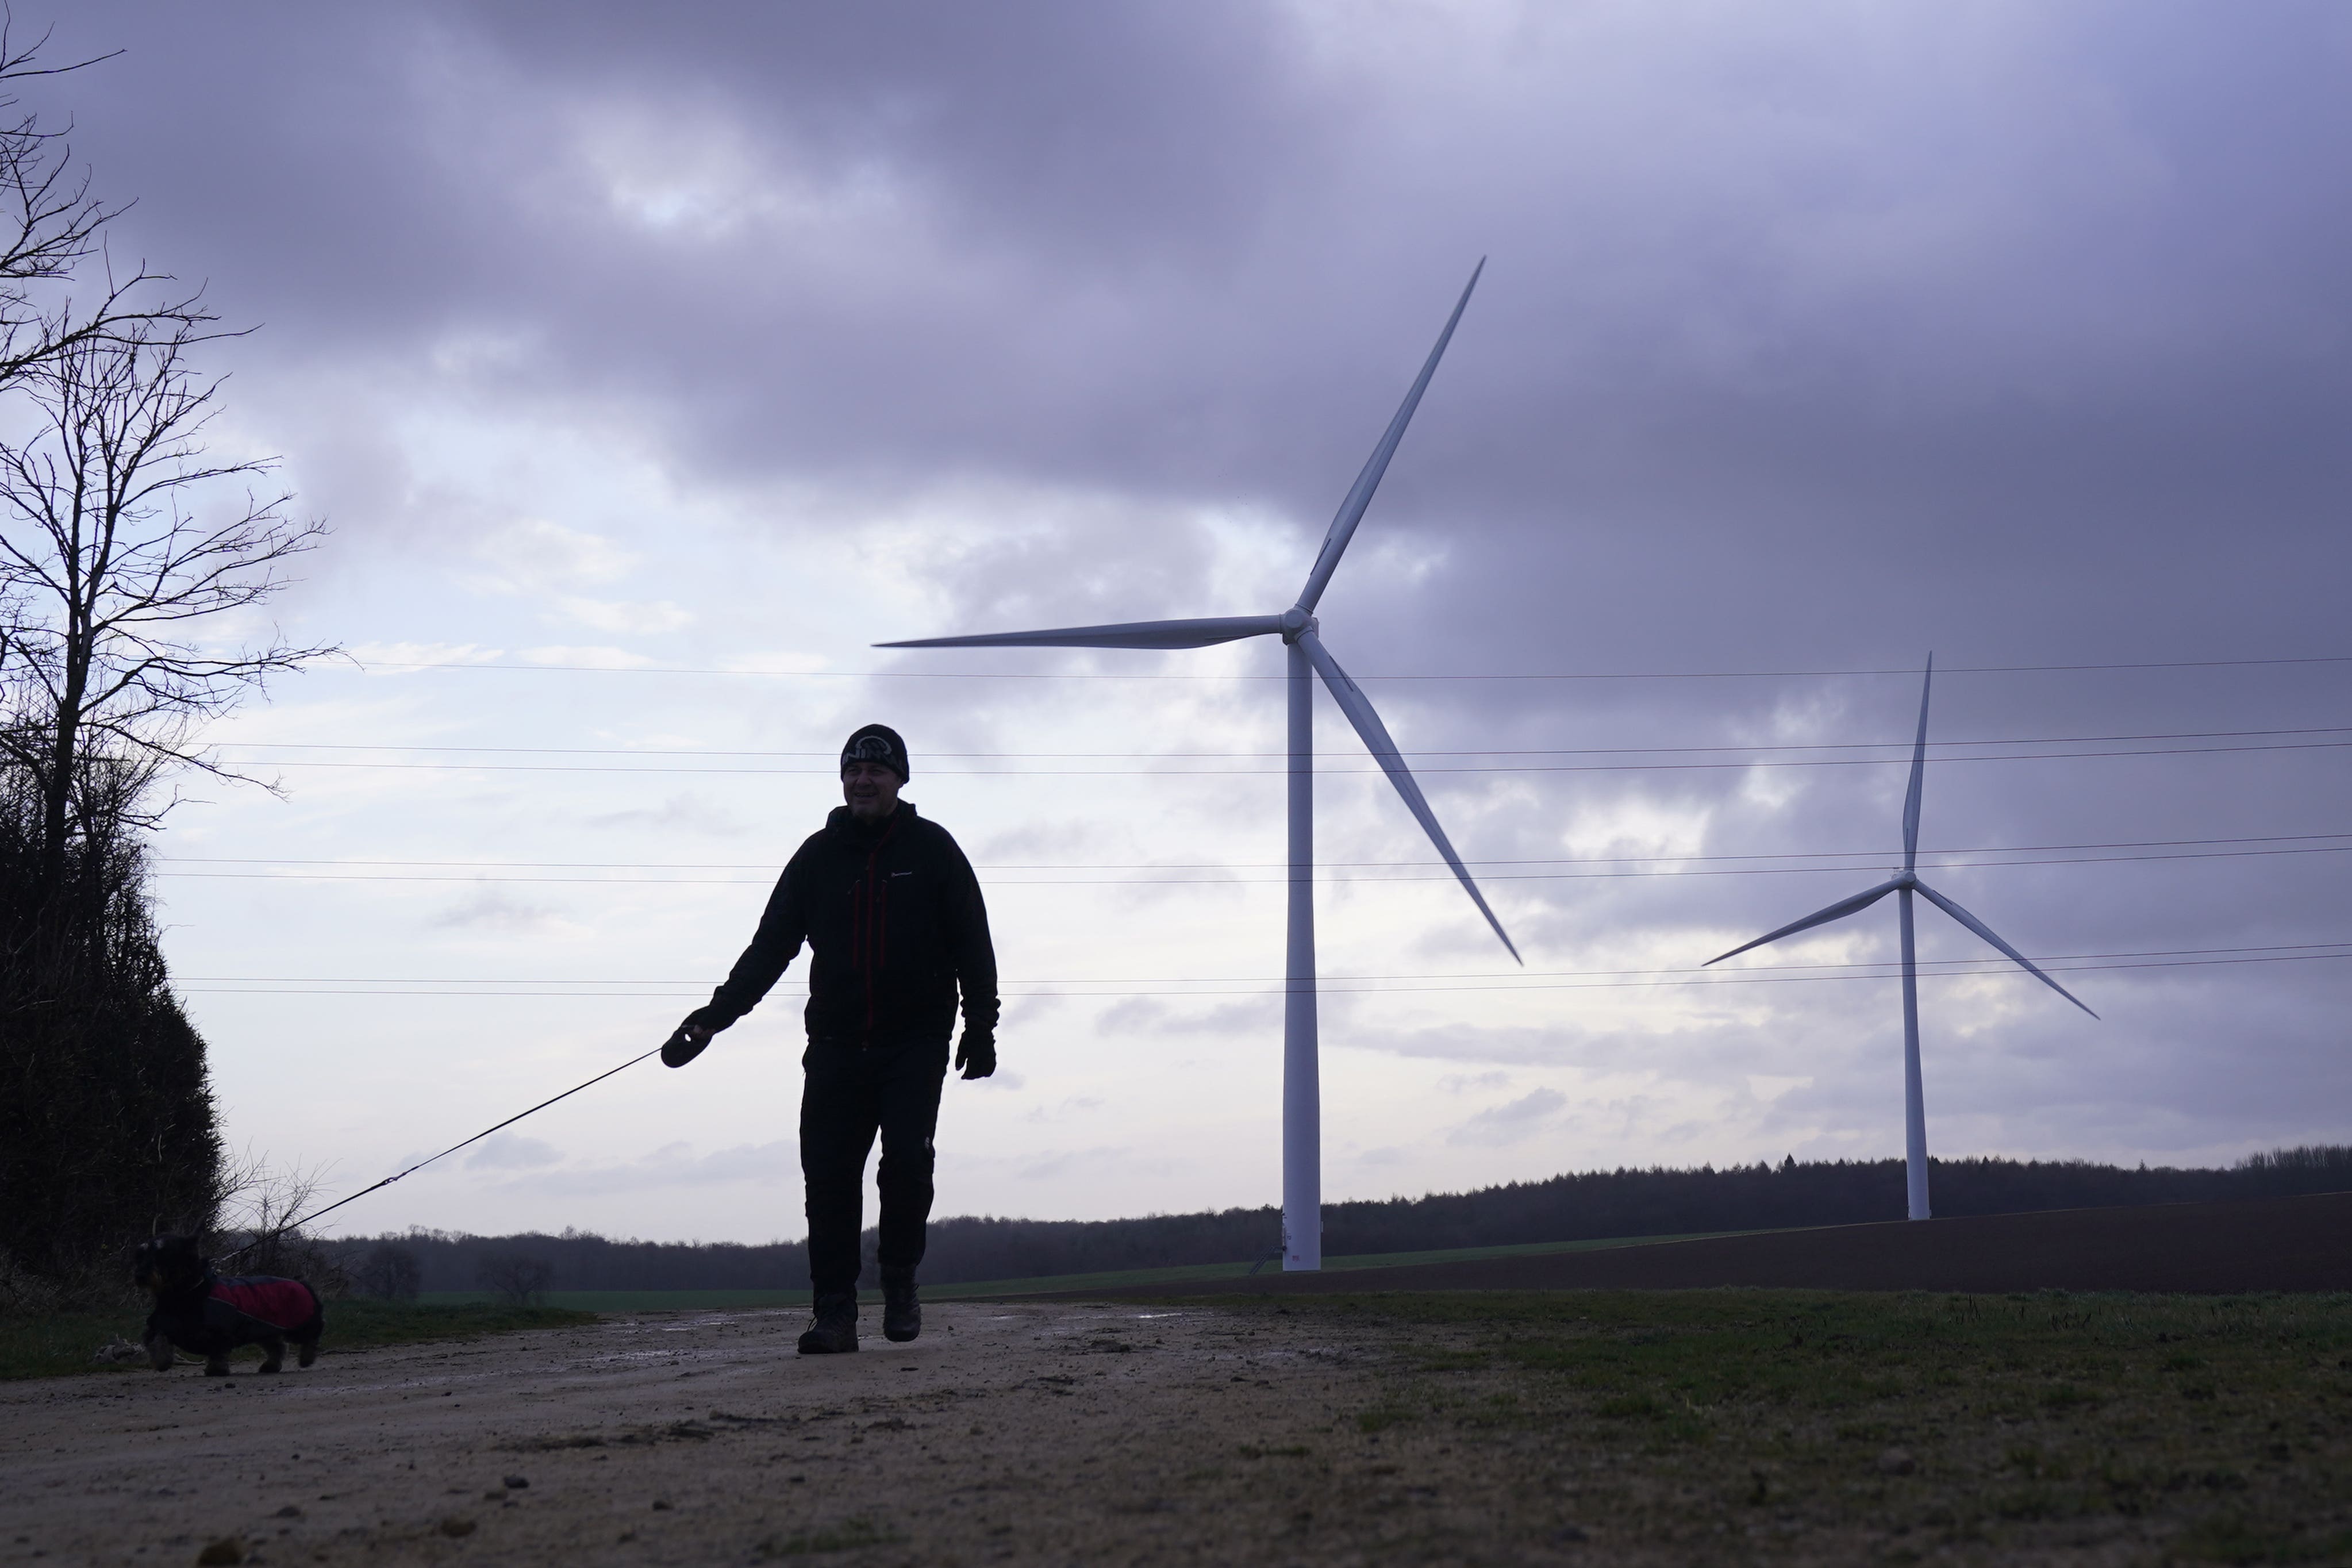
(648, 367)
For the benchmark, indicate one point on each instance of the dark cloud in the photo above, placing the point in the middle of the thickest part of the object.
(683, 813)
(513, 1151)
(1512, 1121)
(490, 910)
(1850, 338)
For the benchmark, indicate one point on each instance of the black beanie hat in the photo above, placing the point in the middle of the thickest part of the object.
(879, 743)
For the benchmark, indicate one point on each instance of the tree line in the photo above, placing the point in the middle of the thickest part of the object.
(122, 543)
(1582, 1206)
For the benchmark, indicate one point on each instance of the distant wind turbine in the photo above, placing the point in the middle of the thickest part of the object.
(1302, 1116)
(1905, 882)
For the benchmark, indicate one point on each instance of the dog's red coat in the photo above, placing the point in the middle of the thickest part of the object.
(281, 1303)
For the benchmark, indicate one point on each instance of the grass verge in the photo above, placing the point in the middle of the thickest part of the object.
(1862, 1427)
(60, 1345)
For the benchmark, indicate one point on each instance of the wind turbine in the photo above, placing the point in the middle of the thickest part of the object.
(1302, 1115)
(1905, 882)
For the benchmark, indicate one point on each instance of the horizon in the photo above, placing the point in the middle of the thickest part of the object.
(2246, 1161)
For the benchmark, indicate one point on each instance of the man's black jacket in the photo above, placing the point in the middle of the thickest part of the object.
(893, 918)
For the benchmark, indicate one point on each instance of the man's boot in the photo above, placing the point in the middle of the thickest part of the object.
(834, 1327)
(902, 1315)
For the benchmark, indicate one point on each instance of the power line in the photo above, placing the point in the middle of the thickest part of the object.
(2309, 947)
(1338, 987)
(1272, 772)
(1642, 675)
(1434, 876)
(1264, 865)
(1345, 755)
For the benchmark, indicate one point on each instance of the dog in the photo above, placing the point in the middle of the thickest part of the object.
(204, 1314)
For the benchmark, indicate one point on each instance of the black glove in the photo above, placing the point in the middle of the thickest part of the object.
(682, 1047)
(976, 1053)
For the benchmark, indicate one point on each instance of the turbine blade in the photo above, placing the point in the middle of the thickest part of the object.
(1836, 911)
(1351, 511)
(1358, 709)
(1918, 775)
(1986, 931)
(1199, 633)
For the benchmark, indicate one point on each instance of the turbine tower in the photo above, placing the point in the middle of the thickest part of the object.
(1302, 1115)
(1905, 883)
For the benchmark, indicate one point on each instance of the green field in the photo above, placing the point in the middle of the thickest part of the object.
(1883, 1427)
(723, 1300)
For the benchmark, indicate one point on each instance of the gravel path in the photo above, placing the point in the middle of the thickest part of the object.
(1060, 1432)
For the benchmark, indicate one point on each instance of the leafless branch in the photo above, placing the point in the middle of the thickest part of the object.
(49, 221)
(123, 541)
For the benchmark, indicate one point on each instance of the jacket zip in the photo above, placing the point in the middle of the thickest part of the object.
(869, 912)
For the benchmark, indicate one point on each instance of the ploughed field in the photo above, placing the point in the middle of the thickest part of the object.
(1723, 1425)
(2301, 1244)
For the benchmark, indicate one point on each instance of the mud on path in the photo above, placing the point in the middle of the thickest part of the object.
(1056, 1433)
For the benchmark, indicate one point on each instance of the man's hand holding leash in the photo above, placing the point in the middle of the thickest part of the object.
(686, 1041)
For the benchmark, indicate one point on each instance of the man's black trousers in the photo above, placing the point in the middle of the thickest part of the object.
(850, 1093)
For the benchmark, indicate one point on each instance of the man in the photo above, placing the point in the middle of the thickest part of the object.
(892, 915)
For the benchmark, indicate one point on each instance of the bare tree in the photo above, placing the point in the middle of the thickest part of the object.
(515, 1279)
(258, 1234)
(389, 1272)
(118, 415)
(49, 225)
(119, 537)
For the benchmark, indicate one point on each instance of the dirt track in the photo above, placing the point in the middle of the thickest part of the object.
(1030, 1432)
(2270, 1244)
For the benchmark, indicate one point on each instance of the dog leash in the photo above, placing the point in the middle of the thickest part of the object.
(485, 1132)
